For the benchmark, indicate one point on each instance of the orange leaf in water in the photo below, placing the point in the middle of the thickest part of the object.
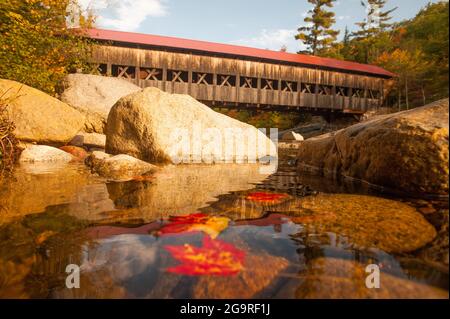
(214, 258)
(263, 197)
(199, 222)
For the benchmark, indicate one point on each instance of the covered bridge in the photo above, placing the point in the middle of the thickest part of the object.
(225, 75)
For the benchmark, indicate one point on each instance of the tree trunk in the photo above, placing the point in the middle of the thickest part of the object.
(424, 96)
(399, 99)
(406, 94)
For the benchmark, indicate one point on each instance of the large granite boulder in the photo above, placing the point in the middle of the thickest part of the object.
(38, 117)
(406, 151)
(94, 96)
(160, 127)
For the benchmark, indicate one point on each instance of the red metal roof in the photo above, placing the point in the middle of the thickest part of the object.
(235, 50)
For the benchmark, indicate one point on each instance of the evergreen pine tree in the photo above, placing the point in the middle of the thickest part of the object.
(376, 22)
(318, 35)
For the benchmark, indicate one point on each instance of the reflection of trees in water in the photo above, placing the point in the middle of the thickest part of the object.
(286, 182)
(314, 242)
(130, 194)
(308, 183)
(6, 180)
(310, 245)
(40, 246)
(301, 183)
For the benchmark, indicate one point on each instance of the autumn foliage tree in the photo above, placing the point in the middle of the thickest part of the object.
(36, 46)
(318, 35)
(409, 66)
(417, 50)
(418, 53)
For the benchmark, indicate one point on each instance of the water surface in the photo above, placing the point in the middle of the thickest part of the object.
(209, 231)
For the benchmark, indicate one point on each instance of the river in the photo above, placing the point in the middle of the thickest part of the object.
(211, 231)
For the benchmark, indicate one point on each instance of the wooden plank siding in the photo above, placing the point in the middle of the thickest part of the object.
(235, 81)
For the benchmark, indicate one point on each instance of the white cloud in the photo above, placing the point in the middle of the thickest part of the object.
(272, 40)
(123, 256)
(125, 15)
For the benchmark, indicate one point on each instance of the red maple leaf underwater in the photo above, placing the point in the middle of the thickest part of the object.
(215, 257)
(181, 222)
(263, 197)
(211, 225)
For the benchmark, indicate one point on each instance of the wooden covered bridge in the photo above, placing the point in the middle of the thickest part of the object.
(225, 75)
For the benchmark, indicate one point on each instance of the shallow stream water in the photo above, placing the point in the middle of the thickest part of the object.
(202, 231)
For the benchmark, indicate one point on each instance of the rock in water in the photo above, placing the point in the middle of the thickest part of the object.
(160, 127)
(366, 221)
(43, 153)
(38, 117)
(259, 273)
(330, 278)
(94, 96)
(90, 140)
(406, 151)
(119, 167)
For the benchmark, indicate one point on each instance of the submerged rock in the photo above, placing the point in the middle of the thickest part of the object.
(38, 117)
(241, 206)
(260, 271)
(438, 250)
(119, 167)
(94, 96)
(406, 151)
(330, 278)
(367, 222)
(160, 127)
(97, 285)
(43, 153)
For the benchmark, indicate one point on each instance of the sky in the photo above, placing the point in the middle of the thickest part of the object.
(256, 23)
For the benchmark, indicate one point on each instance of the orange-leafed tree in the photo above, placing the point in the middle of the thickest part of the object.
(37, 47)
(409, 65)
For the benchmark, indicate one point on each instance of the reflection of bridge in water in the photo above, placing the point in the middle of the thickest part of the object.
(238, 77)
